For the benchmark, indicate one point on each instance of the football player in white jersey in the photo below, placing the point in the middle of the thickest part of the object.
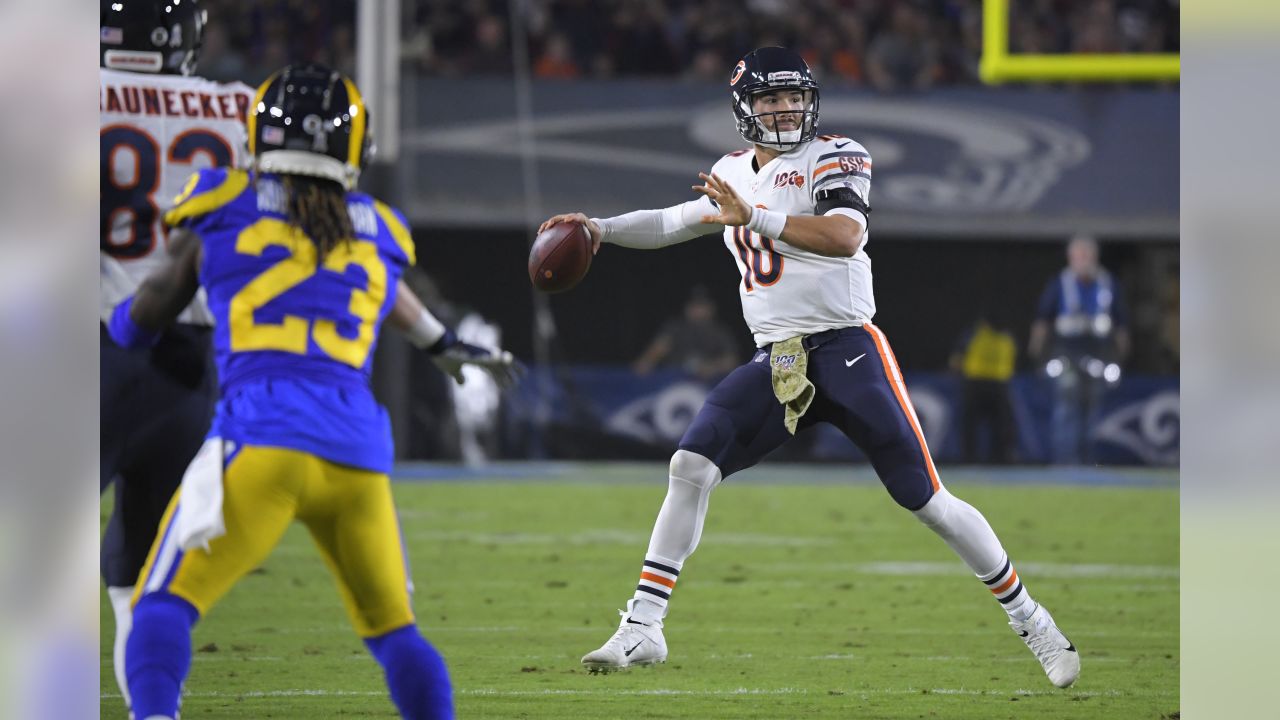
(793, 211)
(159, 125)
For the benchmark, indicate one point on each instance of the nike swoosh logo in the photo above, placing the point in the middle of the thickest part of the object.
(846, 142)
(1023, 634)
(633, 648)
(849, 363)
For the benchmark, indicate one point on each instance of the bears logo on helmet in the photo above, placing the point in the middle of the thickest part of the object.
(737, 72)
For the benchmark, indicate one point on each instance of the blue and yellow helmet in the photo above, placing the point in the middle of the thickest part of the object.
(310, 120)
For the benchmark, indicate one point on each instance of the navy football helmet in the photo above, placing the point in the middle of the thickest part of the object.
(153, 36)
(310, 120)
(765, 70)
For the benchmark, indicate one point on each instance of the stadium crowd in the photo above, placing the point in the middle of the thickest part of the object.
(885, 44)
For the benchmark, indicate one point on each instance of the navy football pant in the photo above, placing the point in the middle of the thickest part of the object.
(859, 390)
(155, 408)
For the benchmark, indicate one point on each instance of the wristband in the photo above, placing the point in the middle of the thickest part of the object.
(426, 330)
(768, 223)
(446, 341)
(125, 332)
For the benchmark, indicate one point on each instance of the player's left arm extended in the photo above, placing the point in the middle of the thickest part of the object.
(138, 320)
(448, 352)
(838, 234)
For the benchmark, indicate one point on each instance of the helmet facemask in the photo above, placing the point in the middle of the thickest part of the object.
(751, 124)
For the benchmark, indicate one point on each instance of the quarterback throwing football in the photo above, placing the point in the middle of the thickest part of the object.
(793, 211)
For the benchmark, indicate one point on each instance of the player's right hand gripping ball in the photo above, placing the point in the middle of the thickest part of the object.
(560, 257)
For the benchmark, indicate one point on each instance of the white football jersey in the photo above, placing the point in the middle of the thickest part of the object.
(156, 131)
(787, 291)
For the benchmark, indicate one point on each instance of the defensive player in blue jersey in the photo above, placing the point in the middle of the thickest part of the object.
(300, 273)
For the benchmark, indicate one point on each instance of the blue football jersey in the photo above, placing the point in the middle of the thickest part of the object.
(295, 333)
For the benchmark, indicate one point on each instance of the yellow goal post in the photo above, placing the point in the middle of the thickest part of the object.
(999, 66)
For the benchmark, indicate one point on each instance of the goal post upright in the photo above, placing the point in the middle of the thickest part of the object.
(998, 66)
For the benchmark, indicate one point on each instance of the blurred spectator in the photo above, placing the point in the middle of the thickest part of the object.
(1081, 333)
(1096, 29)
(906, 44)
(490, 53)
(707, 66)
(903, 57)
(556, 60)
(637, 43)
(836, 55)
(697, 342)
(985, 358)
(219, 60)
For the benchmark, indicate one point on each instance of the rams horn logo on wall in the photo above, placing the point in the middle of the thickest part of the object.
(737, 72)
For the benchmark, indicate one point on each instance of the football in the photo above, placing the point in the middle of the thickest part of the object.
(560, 257)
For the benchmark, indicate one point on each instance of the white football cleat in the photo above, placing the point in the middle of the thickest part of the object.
(635, 643)
(1054, 651)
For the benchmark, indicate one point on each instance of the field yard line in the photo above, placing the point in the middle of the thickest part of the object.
(608, 537)
(429, 629)
(741, 691)
(649, 473)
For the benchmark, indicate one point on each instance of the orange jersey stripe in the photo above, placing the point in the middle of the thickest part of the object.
(823, 168)
(1013, 578)
(866, 165)
(890, 369)
(658, 579)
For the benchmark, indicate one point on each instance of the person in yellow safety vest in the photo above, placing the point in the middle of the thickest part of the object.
(985, 359)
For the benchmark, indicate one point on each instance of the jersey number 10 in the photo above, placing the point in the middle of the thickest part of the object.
(756, 252)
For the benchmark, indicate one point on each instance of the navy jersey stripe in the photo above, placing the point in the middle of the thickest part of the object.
(846, 153)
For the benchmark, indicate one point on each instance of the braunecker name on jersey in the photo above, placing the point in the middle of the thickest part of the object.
(156, 130)
(785, 291)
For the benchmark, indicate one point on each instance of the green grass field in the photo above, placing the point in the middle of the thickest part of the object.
(806, 599)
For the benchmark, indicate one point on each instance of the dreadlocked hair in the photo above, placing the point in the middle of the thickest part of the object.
(318, 207)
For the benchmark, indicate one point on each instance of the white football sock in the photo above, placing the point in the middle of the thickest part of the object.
(1005, 584)
(678, 528)
(121, 599)
(971, 537)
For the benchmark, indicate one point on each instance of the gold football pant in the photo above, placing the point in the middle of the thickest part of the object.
(349, 512)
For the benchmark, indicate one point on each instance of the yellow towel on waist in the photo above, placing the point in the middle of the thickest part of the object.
(790, 363)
